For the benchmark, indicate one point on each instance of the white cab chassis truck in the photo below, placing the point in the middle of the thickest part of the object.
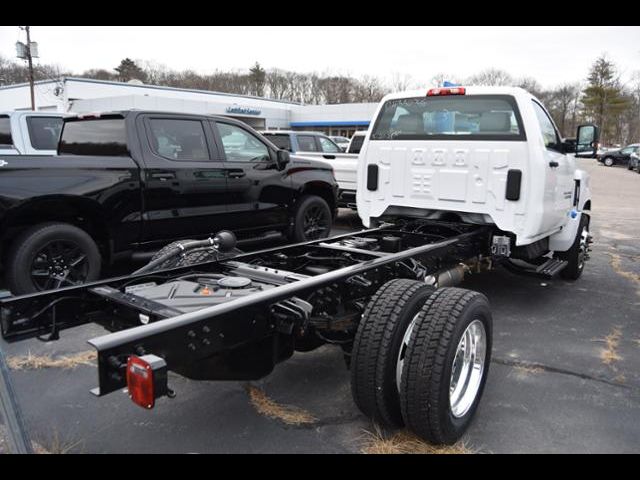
(450, 181)
(481, 155)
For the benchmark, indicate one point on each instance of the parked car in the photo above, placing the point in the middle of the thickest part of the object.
(127, 183)
(315, 144)
(29, 133)
(356, 142)
(618, 156)
(634, 161)
(342, 142)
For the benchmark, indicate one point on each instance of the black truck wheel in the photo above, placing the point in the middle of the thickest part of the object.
(50, 256)
(446, 366)
(379, 348)
(576, 256)
(311, 219)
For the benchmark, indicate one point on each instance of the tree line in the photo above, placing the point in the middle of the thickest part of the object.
(602, 97)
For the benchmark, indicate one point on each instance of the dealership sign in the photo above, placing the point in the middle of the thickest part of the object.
(243, 110)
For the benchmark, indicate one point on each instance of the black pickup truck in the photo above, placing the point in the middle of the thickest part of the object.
(127, 183)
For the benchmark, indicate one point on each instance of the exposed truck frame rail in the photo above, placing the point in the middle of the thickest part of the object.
(309, 294)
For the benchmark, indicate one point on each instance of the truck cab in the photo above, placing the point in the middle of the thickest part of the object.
(29, 133)
(481, 155)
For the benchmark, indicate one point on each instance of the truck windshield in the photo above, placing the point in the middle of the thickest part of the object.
(44, 132)
(99, 137)
(5, 132)
(474, 117)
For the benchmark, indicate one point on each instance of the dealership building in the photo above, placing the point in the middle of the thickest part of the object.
(82, 95)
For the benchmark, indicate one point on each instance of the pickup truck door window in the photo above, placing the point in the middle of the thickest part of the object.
(256, 198)
(328, 146)
(185, 188)
(559, 186)
(307, 143)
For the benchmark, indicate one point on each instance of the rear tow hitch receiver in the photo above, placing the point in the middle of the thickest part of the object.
(147, 380)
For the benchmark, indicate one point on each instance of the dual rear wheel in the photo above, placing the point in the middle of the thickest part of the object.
(421, 357)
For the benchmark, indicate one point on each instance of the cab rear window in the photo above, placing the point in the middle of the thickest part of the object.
(99, 137)
(475, 117)
(5, 132)
(279, 140)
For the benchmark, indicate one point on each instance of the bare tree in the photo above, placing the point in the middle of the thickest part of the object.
(491, 77)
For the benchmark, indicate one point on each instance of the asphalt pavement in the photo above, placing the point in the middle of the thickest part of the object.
(565, 375)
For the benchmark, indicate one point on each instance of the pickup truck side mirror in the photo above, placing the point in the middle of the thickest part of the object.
(283, 157)
(587, 141)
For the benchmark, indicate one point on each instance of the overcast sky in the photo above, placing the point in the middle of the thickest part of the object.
(552, 55)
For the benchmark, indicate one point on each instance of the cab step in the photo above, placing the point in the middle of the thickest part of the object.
(552, 267)
(548, 269)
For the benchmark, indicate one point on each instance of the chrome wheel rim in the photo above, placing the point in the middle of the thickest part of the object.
(403, 351)
(467, 369)
(584, 245)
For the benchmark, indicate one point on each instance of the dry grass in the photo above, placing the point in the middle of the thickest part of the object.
(609, 355)
(616, 264)
(403, 442)
(285, 413)
(38, 362)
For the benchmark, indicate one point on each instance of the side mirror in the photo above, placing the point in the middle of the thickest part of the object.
(283, 157)
(587, 141)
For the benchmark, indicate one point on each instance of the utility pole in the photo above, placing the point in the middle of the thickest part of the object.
(26, 52)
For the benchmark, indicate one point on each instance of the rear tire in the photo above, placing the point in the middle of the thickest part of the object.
(430, 408)
(608, 162)
(312, 219)
(377, 348)
(50, 256)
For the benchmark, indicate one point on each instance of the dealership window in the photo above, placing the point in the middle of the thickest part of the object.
(307, 143)
(240, 146)
(182, 140)
(5, 132)
(44, 132)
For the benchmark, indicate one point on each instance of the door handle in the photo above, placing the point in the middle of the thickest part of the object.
(329, 157)
(236, 174)
(554, 164)
(163, 176)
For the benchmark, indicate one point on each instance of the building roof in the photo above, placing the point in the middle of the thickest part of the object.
(154, 87)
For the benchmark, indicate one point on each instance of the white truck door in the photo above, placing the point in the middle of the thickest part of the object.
(558, 193)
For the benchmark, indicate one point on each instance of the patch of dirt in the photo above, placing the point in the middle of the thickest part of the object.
(523, 371)
(404, 442)
(285, 413)
(38, 362)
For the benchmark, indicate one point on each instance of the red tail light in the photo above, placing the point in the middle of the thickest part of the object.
(146, 379)
(441, 92)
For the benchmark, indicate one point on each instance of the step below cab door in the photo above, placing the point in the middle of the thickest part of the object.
(185, 191)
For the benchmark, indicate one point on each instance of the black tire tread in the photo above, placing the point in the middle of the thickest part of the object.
(24, 241)
(372, 345)
(297, 235)
(423, 380)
